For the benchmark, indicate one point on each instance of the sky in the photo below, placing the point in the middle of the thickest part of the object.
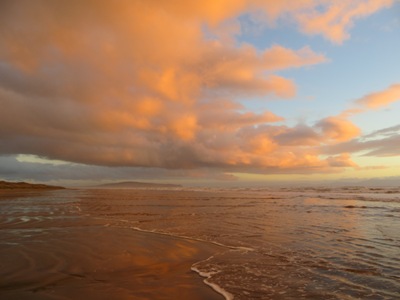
(213, 92)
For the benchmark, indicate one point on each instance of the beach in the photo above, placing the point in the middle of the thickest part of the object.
(49, 251)
(199, 150)
(252, 243)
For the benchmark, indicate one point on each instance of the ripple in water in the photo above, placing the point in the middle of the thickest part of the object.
(279, 244)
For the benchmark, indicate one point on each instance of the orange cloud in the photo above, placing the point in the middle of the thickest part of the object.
(342, 160)
(337, 17)
(381, 143)
(374, 100)
(244, 69)
(279, 57)
(381, 98)
(210, 11)
(140, 83)
(337, 128)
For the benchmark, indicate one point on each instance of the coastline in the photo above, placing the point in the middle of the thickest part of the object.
(25, 186)
(97, 262)
(205, 276)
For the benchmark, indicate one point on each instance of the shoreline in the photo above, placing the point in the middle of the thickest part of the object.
(97, 262)
(218, 289)
(153, 263)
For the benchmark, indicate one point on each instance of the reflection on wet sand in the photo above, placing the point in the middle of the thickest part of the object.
(62, 255)
(284, 245)
(279, 244)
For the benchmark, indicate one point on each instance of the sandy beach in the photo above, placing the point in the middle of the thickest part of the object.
(63, 256)
(147, 244)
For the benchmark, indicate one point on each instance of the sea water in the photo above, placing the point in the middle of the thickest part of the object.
(288, 243)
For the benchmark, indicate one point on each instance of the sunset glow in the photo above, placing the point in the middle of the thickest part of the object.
(233, 92)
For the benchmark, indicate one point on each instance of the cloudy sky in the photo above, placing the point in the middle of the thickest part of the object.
(213, 91)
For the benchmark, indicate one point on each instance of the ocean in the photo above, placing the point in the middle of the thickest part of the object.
(270, 243)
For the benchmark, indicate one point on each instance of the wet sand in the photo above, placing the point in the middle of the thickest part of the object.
(71, 257)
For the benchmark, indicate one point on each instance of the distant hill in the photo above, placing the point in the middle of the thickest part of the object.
(135, 184)
(381, 182)
(4, 185)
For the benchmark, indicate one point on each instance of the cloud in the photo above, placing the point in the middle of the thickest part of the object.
(236, 71)
(300, 135)
(342, 160)
(380, 99)
(337, 128)
(333, 19)
(142, 84)
(382, 147)
(386, 132)
(381, 143)
(40, 170)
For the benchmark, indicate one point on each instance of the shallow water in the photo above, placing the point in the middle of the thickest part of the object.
(50, 250)
(280, 244)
